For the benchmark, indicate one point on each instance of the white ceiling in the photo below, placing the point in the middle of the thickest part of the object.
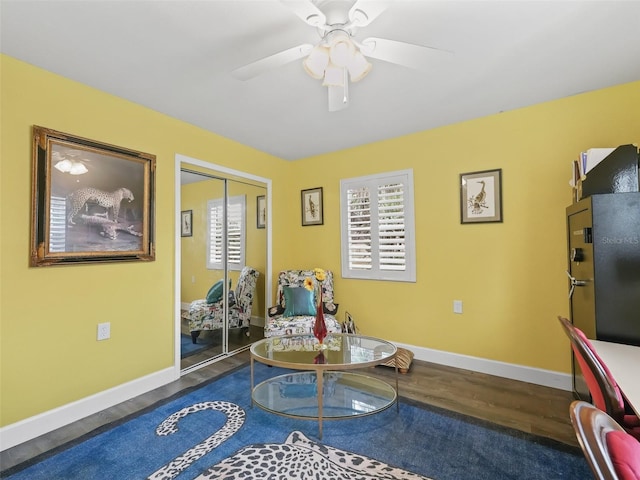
(176, 57)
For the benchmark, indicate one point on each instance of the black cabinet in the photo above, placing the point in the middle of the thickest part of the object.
(604, 270)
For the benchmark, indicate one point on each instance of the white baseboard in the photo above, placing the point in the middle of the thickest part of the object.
(538, 376)
(257, 321)
(32, 427)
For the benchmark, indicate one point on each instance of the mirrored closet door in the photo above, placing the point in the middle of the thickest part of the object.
(223, 264)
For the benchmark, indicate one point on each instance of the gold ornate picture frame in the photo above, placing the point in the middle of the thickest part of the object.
(91, 201)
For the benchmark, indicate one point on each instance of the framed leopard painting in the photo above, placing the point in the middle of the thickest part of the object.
(91, 201)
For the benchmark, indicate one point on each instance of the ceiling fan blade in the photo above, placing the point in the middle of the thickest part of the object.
(307, 11)
(406, 54)
(273, 61)
(364, 12)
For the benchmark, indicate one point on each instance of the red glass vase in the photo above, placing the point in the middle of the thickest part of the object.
(320, 359)
(319, 327)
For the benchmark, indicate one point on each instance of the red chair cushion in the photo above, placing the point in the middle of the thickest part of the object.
(635, 432)
(624, 451)
(604, 367)
(632, 421)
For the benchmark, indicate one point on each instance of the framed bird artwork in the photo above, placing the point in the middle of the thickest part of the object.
(312, 208)
(481, 196)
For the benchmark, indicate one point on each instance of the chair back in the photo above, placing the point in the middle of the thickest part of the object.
(295, 278)
(605, 393)
(245, 289)
(592, 426)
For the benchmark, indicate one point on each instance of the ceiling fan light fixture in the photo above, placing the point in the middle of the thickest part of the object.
(341, 48)
(71, 167)
(359, 67)
(341, 52)
(317, 61)
(64, 166)
(78, 169)
(333, 76)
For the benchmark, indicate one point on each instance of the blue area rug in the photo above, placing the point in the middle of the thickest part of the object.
(188, 348)
(427, 441)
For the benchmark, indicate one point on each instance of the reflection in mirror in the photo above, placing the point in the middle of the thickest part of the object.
(209, 285)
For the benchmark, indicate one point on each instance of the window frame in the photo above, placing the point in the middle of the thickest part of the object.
(373, 182)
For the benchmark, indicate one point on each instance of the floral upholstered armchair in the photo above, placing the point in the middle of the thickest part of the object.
(282, 321)
(209, 316)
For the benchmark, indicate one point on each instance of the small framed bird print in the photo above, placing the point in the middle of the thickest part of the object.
(312, 209)
(481, 196)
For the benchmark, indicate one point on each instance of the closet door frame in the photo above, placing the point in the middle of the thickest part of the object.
(180, 162)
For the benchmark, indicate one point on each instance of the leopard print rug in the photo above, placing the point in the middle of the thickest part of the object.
(300, 458)
(296, 458)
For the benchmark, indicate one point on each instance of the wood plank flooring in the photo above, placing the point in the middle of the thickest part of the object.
(237, 340)
(531, 408)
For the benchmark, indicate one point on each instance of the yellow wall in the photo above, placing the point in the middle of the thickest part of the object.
(196, 278)
(48, 350)
(510, 275)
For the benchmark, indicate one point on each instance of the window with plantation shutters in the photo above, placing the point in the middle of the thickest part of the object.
(235, 233)
(377, 227)
(57, 224)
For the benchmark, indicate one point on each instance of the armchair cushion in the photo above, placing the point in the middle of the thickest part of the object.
(215, 292)
(300, 324)
(298, 301)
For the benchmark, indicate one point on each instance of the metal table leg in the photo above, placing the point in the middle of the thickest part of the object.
(320, 386)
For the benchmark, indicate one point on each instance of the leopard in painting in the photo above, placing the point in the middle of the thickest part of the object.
(108, 228)
(108, 200)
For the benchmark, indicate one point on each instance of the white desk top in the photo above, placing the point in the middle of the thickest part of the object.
(624, 363)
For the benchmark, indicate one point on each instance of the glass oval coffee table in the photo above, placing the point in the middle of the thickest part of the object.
(322, 385)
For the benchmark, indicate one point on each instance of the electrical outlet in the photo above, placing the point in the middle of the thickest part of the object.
(104, 331)
(457, 306)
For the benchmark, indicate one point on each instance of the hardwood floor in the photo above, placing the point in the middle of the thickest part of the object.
(237, 340)
(543, 411)
(531, 408)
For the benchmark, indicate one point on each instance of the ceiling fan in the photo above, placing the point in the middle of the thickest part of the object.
(338, 58)
(70, 162)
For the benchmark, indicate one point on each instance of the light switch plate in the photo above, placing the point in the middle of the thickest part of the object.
(104, 331)
(457, 306)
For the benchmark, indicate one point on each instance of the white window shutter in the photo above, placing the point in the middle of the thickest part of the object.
(235, 233)
(377, 225)
(57, 224)
(391, 227)
(359, 228)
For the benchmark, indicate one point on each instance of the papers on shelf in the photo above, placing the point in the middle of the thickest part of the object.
(593, 157)
(585, 163)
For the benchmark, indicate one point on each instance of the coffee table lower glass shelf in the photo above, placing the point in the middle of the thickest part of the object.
(319, 383)
(345, 395)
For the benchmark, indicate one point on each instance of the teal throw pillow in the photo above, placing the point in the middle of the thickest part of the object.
(298, 301)
(215, 292)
